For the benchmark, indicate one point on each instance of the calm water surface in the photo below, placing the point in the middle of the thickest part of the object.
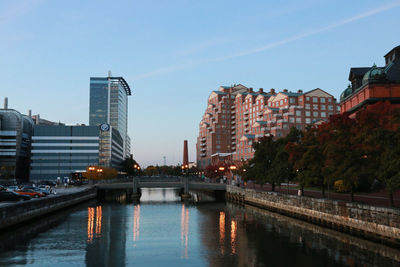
(162, 231)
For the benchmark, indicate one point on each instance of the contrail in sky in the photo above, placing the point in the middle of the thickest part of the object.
(273, 44)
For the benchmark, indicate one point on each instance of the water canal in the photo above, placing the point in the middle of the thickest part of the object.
(162, 231)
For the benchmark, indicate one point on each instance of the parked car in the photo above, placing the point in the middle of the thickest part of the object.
(12, 196)
(30, 192)
(13, 188)
(2, 188)
(51, 183)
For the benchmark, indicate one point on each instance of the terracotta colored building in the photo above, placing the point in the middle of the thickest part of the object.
(372, 84)
(237, 116)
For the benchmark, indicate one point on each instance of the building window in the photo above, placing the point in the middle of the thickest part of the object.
(307, 106)
(291, 100)
(315, 106)
(281, 102)
(315, 113)
(323, 107)
(322, 99)
(338, 108)
(315, 99)
(307, 98)
(298, 112)
(308, 120)
(291, 119)
(329, 100)
(298, 120)
(330, 107)
(300, 99)
(323, 114)
(307, 113)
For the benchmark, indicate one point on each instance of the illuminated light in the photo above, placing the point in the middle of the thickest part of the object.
(221, 168)
(136, 222)
(233, 167)
(233, 236)
(222, 232)
(99, 170)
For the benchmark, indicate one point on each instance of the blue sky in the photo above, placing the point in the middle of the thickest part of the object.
(174, 53)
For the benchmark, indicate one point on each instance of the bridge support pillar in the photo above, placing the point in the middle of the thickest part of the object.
(185, 194)
(136, 190)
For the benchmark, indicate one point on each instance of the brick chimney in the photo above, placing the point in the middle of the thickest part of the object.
(251, 89)
(285, 90)
(300, 91)
(272, 91)
(185, 153)
(261, 90)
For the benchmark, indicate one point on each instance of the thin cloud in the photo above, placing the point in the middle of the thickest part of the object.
(16, 10)
(273, 44)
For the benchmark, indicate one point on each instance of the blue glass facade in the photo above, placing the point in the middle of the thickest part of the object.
(109, 104)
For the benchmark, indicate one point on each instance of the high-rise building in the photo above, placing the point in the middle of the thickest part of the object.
(372, 84)
(109, 105)
(237, 116)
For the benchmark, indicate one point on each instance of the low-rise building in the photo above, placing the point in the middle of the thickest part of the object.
(372, 84)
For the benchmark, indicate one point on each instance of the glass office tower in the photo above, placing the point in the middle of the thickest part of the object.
(109, 105)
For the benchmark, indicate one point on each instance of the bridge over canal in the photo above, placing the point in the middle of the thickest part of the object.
(184, 183)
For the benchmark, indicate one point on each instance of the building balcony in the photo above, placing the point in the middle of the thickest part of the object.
(233, 107)
(260, 113)
(233, 132)
(202, 155)
(233, 127)
(233, 112)
(203, 139)
(246, 112)
(233, 117)
(246, 123)
(203, 144)
(233, 137)
(203, 150)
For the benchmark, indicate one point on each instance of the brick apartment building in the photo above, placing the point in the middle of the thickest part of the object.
(237, 116)
(372, 84)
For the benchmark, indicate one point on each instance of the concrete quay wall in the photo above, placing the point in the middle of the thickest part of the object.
(376, 223)
(23, 211)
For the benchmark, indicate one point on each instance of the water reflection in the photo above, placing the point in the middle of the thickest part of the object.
(136, 222)
(222, 232)
(184, 231)
(233, 236)
(220, 235)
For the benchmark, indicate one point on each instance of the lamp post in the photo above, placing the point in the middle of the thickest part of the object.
(221, 169)
(232, 168)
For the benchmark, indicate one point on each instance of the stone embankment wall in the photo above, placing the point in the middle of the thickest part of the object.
(377, 223)
(27, 210)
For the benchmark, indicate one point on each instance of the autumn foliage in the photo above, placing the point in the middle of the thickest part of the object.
(362, 152)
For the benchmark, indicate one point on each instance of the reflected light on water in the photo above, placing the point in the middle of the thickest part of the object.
(98, 220)
(233, 236)
(90, 225)
(222, 232)
(136, 222)
(184, 230)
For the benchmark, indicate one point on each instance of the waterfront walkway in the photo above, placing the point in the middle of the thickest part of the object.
(374, 199)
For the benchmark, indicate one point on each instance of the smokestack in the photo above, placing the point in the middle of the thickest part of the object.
(30, 113)
(185, 154)
(6, 103)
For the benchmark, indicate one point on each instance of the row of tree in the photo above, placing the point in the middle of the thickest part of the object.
(362, 152)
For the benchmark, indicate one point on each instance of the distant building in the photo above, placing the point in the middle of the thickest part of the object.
(58, 150)
(15, 145)
(237, 116)
(372, 84)
(109, 105)
(40, 121)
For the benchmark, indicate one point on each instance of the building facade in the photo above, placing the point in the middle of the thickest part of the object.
(58, 151)
(372, 84)
(109, 104)
(15, 145)
(237, 116)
